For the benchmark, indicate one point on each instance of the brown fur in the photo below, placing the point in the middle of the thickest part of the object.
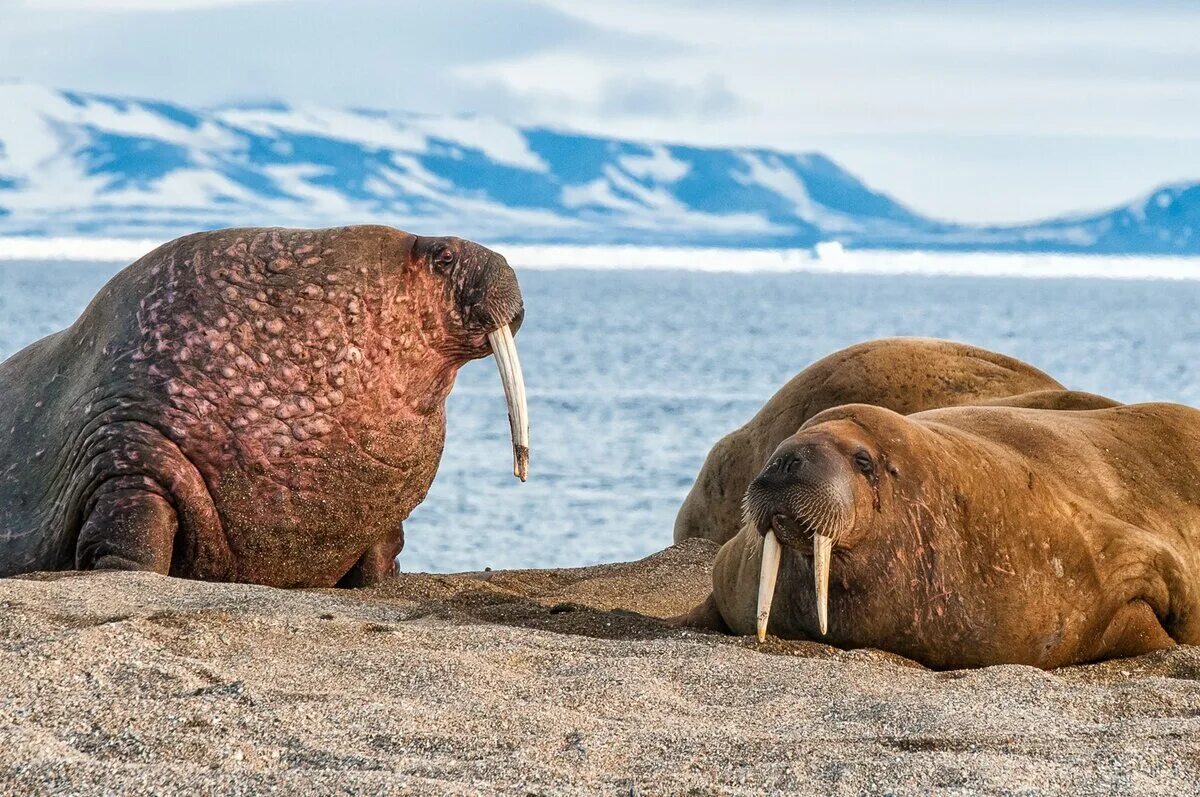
(997, 535)
(906, 375)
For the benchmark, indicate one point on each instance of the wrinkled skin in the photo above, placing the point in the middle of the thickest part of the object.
(906, 375)
(256, 405)
(975, 536)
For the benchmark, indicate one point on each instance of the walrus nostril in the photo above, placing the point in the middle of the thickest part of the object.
(778, 472)
(786, 463)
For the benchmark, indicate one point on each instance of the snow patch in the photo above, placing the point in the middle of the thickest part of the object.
(654, 207)
(500, 142)
(658, 166)
(326, 123)
(771, 173)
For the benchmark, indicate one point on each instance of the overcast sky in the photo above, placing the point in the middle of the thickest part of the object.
(967, 110)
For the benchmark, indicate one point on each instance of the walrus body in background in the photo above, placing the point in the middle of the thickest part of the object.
(906, 375)
(974, 536)
(260, 405)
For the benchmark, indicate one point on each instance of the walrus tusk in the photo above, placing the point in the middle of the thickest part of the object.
(767, 573)
(504, 349)
(822, 549)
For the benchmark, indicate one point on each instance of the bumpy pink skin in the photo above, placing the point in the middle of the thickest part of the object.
(246, 405)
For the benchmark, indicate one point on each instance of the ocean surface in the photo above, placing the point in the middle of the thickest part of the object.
(633, 375)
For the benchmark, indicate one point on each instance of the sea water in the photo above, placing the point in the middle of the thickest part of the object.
(634, 374)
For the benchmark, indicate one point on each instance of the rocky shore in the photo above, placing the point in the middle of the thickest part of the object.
(539, 682)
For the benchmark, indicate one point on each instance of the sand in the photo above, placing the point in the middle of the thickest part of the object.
(537, 682)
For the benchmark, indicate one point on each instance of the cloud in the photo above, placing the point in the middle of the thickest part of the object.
(969, 110)
(664, 99)
(336, 52)
(136, 5)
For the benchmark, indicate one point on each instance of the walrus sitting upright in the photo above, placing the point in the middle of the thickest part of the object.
(976, 535)
(257, 405)
(903, 374)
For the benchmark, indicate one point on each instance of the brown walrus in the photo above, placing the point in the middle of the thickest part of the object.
(903, 374)
(259, 405)
(974, 536)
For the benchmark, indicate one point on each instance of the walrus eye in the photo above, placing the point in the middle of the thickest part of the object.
(445, 257)
(864, 463)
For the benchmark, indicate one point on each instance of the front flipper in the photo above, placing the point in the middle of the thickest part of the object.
(127, 528)
(1150, 596)
(1133, 631)
(377, 564)
(706, 616)
(149, 509)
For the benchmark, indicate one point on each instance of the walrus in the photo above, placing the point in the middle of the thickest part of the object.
(253, 405)
(906, 375)
(973, 536)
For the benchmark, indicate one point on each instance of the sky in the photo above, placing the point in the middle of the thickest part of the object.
(970, 111)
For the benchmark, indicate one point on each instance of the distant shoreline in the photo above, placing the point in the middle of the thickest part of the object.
(828, 258)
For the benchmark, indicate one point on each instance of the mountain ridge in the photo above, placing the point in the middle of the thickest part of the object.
(74, 163)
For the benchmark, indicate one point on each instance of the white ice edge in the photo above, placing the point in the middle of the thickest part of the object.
(829, 258)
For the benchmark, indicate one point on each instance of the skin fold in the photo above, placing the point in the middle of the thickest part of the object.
(906, 375)
(974, 536)
(256, 405)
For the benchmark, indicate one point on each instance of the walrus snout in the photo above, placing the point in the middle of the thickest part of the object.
(803, 491)
(480, 283)
(501, 302)
(802, 499)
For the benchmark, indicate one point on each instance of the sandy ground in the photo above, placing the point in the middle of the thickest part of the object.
(537, 682)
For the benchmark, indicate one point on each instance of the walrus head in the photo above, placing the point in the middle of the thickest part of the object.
(818, 488)
(486, 311)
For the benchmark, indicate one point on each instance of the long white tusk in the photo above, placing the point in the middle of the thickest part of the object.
(822, 550)
(504, 349)
(767, 573)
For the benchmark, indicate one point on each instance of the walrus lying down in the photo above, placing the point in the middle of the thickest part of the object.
(973, 536)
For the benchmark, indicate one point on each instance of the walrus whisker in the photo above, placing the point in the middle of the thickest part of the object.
(504, 350)
(768, 572)
(822, 515)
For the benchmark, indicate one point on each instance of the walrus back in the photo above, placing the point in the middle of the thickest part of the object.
(1137, 462)
(27, 446)
(48, 389)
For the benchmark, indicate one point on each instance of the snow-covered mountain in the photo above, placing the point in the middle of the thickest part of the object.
(1164, 221)
(83, 164)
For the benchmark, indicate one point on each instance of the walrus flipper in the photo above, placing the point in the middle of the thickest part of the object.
(129, 528)
(377, 564)
(706, 616)
(1157, 608)
(150, 508)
